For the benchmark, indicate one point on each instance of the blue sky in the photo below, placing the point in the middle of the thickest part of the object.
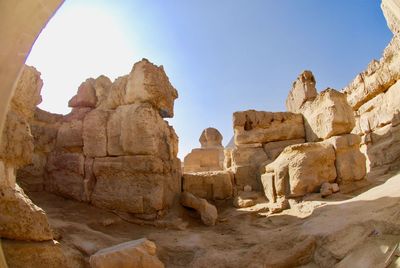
(222, 56)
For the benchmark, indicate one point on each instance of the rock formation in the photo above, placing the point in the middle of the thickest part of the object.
(210, 157)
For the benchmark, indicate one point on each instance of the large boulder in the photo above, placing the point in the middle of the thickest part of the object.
(20, 219)
(139, 253)
(86, 96)
(273, 149)
(135, 184)
(95, 133)
(209, 185)
(261, 127)
(350, 162)
(300, 169)
(208, 212)
(303, 90)
(327, 115)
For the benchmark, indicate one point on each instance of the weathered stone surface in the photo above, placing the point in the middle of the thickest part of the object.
(102, 85)
(245, 199)
(66, 174)
(17, 142)
(208, 212)
(20, 219)
(69, 136)
(95, 133)
(27, 93)
(21, 254)
(31, 177)
(76, 114)
(86, 96)
(139, 253)
(303, 90)
(328, 115)
(273, 149)
(350, 162)
(204, 159)
(209, 185)
(391, 10)
(135, 184)
(210, 138)
(148, 83)
(261, 127)
(246, 163)
(301, 169)
(268, 182)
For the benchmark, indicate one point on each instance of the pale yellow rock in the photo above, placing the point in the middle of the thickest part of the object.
(139, 253)
(20, 219)
(273, 149)
(208, 212)
(22, 254)
(27, 93)
(391, 10)
(209, 185)
(116, 95)
(69, 136)
(328, 115)
(17, 141)
(148, 83)
(204, 159)
(303, 90)
(95, 133)
(301, 169)
(86, 96)
(261, 127)
(350, 162)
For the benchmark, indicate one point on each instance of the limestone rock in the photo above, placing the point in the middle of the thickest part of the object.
(273, 149)
(77, 114)
(95, 133)
(246, 163)
(209, 185)
(102, 86)
(391, 10)
(21, 254)
(204, 159)
(69, 136)
(268, 182)
(139, 253)
(86, 96)
(66, 174)
(145, 184)
(301, 169)
(326, 189)
(247, 188)
(211, 138)
(245, 199)
(261, 127)
(328, 115)
(116, 95)
(27, 93)
(208, 212)
(16, 146)
(303, 90)
(20, 219)
(350, 162)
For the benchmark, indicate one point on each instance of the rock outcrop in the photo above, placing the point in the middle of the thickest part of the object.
(210, 157)
(139, 253)
(208, 212)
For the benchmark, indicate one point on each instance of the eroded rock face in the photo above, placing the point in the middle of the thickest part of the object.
(208, 212)
(300, 169)
(261, 127)
(328, 115)
(139, 253)
(303, 90)
(20, 219)
(209, 185)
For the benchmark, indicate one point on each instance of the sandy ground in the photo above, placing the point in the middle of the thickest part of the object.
(356, 229)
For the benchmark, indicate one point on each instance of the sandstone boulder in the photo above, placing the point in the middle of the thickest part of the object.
(209, 185)
(20, 219)
(139, 253)
(300, 169)
(207, 211)
(350, 162)
(261, 127)
(328, 115)
(134, 184)
(211, 138)
(303, 90)
(65, 174)
(21, 254)
(27, 93)
(95, 133)
(148, 83)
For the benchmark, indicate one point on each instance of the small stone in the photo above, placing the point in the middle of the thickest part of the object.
(247, 188)
(326, 189)
(335, 187)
